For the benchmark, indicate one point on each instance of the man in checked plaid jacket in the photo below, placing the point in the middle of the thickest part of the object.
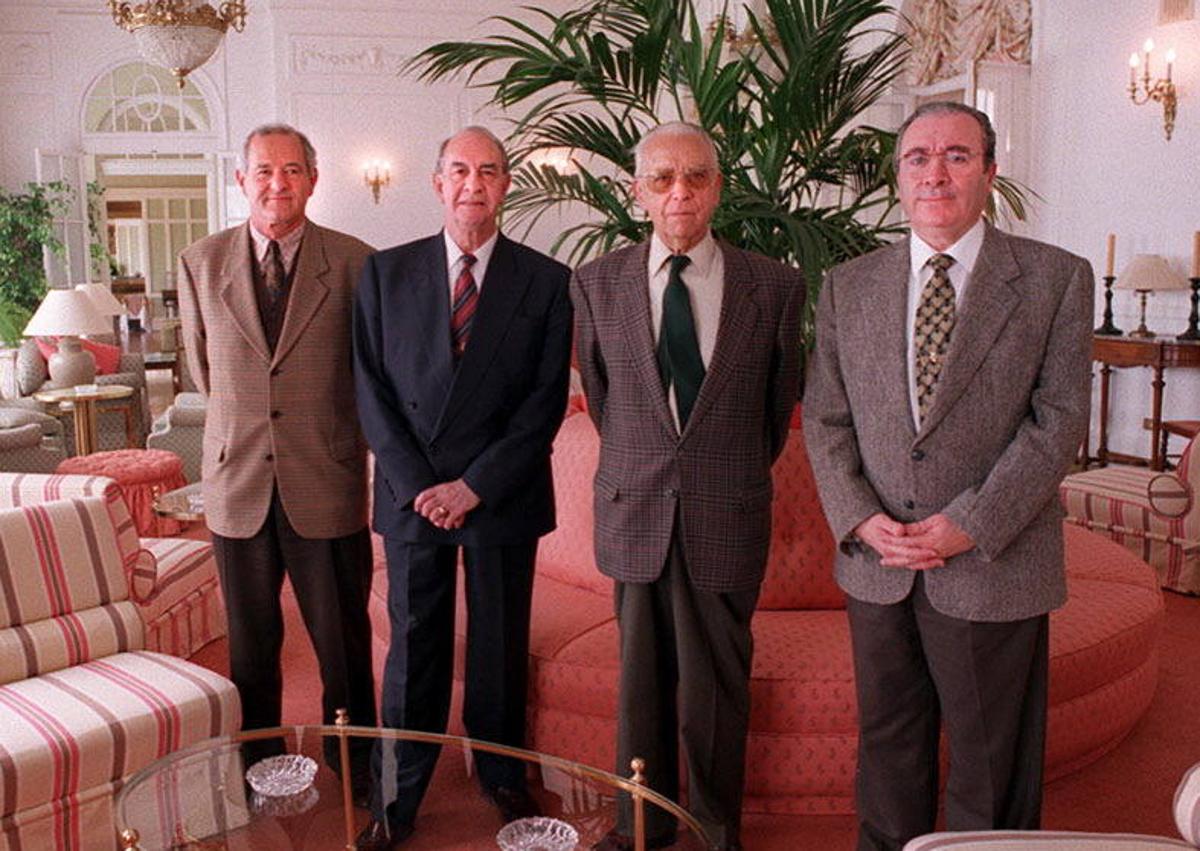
(683, 488)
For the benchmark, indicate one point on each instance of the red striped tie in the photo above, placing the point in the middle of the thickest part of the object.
(462, 306)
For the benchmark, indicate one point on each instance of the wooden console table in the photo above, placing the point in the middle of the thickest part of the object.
(1158, 353)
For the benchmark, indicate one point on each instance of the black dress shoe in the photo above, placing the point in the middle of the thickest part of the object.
(377, 836)
(614, 841)
(512, 803)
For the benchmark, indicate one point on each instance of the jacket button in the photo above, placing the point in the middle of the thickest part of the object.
(918, 455)
(671, 492)
(412, 406)
(433, 450)
(909, 504)
(276, 414)
(275, 371)
(270, 456)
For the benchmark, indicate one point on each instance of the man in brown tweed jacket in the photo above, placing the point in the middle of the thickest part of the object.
(946, 397)
(689, 353)
(266, 318)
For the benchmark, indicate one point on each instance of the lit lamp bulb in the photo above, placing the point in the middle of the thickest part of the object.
(377, 174)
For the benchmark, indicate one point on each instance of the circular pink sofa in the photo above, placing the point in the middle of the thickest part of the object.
(803, 733)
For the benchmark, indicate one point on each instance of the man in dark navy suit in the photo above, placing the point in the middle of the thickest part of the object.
(462, 351)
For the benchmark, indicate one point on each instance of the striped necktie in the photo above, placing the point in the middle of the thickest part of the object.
(462, 306)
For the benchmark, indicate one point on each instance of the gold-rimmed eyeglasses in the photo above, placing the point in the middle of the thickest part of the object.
(921, 160)
(693, 178)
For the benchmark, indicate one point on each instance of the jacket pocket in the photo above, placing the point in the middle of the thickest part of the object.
(606, 488)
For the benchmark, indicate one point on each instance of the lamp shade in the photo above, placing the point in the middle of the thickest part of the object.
(102, 299)
(67, 312)
(1150, 272)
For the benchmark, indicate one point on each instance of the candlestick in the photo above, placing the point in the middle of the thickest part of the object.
(1111, 253)
(1109, 328)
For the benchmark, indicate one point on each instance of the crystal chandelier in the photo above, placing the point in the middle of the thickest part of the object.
(179, 35)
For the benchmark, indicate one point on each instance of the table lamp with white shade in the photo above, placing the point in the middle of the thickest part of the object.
(66, 314)
(106, 303)
(1144, 274)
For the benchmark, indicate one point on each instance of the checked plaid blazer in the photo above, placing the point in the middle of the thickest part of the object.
(716, 475)
(286, 417)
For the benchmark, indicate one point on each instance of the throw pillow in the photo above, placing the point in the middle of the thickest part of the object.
(31, 368)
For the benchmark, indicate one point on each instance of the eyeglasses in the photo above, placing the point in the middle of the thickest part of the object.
(662, 181)
(921, 160)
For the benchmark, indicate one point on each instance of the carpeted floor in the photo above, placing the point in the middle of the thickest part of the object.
(1129, 790)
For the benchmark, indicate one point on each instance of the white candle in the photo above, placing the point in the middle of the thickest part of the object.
(1196, 254)
(1110, 254)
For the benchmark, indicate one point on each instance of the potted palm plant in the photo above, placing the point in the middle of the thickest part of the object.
(806, 182)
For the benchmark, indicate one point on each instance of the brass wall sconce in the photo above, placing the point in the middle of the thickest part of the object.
(1160, 90)
(377, 175)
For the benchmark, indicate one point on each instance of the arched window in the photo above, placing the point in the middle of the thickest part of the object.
(143, 98)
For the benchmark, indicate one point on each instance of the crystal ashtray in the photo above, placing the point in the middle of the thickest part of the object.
(277, 776)
(285, 806)
(540, 833)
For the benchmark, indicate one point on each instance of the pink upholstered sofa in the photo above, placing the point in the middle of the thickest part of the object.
(803, 726)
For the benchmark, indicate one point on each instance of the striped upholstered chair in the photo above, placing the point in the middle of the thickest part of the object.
(174, 580)
(1155, 515)
(82, 703)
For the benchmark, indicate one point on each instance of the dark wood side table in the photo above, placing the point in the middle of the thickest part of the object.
(1158, 353)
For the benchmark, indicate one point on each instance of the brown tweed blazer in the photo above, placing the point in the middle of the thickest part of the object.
(288, 418)
(717, 474)
(1010, 410)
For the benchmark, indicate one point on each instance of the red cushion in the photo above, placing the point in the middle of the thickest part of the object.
(107, 357)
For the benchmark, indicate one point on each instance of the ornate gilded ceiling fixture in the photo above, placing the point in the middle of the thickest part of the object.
(179, 35)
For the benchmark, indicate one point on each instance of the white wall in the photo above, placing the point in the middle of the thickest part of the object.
(1100, 163)
(1103, 166)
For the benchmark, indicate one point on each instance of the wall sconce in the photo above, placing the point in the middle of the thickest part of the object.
(377, 174)
(1161, 90)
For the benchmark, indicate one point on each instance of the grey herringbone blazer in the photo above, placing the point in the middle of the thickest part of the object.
(1010, 410)
(717, 474)
(287, 417)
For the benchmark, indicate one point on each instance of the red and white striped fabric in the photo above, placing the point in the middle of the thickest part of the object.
(173, 581)
(1154, 515)
(71, 731)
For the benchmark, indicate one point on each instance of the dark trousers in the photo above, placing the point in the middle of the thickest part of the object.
(685, 675)
(418, 674)
(915, 667)
(332, 581)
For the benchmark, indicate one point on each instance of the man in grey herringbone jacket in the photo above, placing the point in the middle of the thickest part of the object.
(683, 487)
(939, 429)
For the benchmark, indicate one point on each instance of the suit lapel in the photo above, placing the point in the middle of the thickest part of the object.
(988, 302)
(739, 313)
(634, 297)
(308, 290)
(237, 293)
(884, 305)
(501, 292)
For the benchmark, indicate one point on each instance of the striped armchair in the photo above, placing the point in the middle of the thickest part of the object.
(1155, 515)
(174, 580)
(83, 704)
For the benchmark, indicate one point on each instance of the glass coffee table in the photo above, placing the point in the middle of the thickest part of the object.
(199, 798)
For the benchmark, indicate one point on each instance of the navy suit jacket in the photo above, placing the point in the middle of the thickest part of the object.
(492, 420)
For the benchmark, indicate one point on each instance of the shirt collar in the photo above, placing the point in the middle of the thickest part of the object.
(482, 254)
(964, 252)
(702, 254)
(288, 243)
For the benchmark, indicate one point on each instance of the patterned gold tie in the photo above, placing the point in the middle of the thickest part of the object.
(932, 329)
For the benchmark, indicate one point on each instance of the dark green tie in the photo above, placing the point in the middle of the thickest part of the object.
(679, 360)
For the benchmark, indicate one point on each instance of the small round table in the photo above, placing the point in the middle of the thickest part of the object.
(82, 401)
(185, 503)
(143, 474)
(198, 798)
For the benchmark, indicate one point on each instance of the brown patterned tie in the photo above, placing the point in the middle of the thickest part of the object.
(273, 272)
(932, 328)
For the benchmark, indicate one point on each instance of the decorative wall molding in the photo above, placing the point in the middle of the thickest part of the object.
(948, 36)
(25, 54)
(346, 55)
